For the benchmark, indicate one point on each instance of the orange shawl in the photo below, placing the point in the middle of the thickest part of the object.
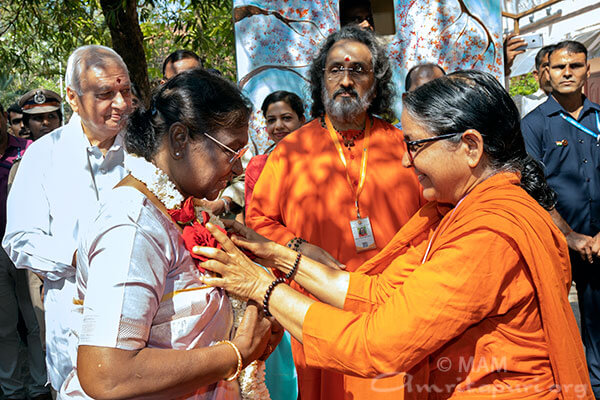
(500, 205)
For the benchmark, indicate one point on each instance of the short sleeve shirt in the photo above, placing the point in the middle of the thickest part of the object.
(571, 160)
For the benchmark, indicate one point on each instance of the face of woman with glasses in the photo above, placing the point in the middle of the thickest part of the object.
(442, 167)
(208, 162)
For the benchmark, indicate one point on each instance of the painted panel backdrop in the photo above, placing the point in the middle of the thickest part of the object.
(277, 39)
(275, 44)
(456, 34)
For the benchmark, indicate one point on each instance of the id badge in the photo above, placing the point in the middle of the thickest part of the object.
(363, 234)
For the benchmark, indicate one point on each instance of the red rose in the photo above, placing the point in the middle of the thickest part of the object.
(195, 232)
(185, 214)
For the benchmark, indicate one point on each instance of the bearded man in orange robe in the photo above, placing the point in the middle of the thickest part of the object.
(333, 190)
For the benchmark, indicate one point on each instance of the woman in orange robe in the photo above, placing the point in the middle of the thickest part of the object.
(473, 300)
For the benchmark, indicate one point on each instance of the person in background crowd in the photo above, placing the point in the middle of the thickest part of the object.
(179, 61)
(472, 301)
(14, 298)
(420, 74)
(15, 121)
(72, 169)
(357, 12)
(512, 46)
(328, 189)
(526, 104)
(563, 134)
(41, 112)
(284, 113)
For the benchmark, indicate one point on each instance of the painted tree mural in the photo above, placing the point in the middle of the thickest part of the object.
(277, 39)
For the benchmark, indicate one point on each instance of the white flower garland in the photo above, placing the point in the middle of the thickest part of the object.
(252, 378)
(155, 180)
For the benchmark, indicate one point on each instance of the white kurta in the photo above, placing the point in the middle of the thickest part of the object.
(58, 189)
(528, 103)
(140, 288)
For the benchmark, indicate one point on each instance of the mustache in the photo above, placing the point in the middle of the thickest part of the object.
(344, 91)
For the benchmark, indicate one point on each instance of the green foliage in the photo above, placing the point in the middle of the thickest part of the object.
(523, 85)
(37, 36)
(203, 26)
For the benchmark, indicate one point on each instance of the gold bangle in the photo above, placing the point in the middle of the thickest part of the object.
(239, 359)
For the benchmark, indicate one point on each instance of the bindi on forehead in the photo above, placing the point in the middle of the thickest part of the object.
(349, 51)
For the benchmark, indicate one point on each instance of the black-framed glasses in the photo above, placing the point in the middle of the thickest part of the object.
(413, 145)
(236, 154)
(356, 71)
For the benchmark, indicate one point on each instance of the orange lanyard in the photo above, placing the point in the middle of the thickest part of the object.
(363, 161)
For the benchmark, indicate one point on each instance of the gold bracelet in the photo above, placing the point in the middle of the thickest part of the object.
(239, 359)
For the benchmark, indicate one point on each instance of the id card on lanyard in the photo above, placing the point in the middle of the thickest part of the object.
(362, 232)
(582, 128)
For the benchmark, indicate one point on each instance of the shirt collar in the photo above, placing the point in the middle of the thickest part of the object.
(76, 125)
(551, 107)
(118, 143)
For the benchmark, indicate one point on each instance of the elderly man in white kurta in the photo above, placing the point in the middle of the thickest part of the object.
(59, 187)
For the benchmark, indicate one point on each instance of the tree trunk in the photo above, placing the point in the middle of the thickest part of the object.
(127, 40)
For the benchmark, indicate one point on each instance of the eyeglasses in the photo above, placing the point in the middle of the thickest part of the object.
(236, 154)
(413, 145)
(336, 72)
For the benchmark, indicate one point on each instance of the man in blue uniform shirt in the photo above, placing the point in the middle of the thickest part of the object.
(564, 134)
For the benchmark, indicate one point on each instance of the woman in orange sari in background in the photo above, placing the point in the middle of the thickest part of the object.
(284, 113)
(473, 300)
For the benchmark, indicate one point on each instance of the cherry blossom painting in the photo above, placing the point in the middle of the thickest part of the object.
(276, 41)
(456, 34)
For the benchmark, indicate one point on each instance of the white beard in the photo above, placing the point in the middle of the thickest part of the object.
(346, 109)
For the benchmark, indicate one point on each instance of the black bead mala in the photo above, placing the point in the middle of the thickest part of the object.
(290, 274)
(268, 295)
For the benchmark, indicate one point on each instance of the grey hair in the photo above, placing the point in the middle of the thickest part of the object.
(384, 90)
(88, 56)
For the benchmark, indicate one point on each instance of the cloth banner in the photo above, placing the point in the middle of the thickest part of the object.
(275, 44)
(455, 34)
(276, 41)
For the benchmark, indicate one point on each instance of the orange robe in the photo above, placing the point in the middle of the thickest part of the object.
(485, 316)
(303, 191)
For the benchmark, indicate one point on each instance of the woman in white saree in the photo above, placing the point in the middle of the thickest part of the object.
(150, 328)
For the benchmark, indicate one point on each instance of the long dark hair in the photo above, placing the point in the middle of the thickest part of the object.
(202, 101)
(475, 100)
(384, 91)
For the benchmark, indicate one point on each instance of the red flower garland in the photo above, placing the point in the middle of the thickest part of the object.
(195, 232)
